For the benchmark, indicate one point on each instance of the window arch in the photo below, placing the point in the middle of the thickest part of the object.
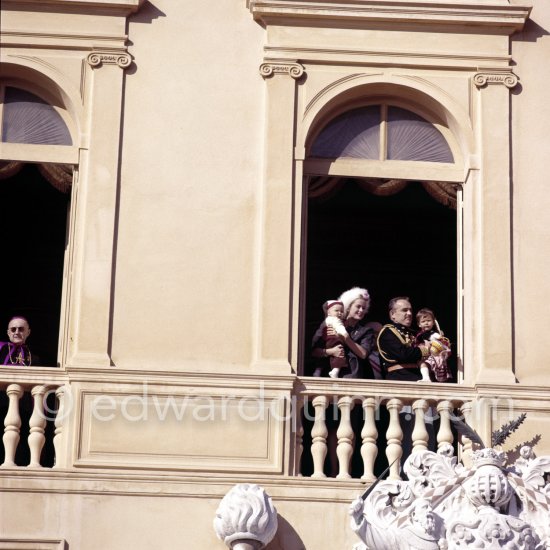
(388, 138)
(35, 124)
(27, 118)
(381, 132)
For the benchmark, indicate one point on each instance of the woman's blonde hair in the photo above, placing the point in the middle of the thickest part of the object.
(349, 296)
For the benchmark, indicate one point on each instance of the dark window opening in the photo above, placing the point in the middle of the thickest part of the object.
(403, 244)
(33, 225)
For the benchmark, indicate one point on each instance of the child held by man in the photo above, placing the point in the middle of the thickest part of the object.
(433, 367)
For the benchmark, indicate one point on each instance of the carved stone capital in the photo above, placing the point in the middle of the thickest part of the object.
(295, 70)
(98, 58)
(509, 79)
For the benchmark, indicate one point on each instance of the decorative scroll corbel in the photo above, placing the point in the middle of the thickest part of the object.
(120, 58)
(270, 68)
(509, 79)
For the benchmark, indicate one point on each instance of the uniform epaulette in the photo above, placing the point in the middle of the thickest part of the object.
(395, 331)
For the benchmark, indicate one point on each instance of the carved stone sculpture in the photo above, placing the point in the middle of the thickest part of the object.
(444, 505)
(246, 518)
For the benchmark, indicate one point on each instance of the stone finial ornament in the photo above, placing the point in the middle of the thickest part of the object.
(444, 505)
(246, 518)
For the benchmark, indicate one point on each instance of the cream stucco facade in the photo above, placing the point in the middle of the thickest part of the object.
(181, 343)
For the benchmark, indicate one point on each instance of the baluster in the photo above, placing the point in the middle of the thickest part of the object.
(319, 435)
(37, 424)
(420, 436)
(345, 437)
(394, 437)
(58, 433)
(369, 435)
(12, 424)
(445, 434)
(467, 444)
(299, 431)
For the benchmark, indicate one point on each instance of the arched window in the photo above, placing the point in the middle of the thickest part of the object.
(35, 126)
(26, 118)
(385, 140)
(395, 235)
(35, 183)
(381, 132)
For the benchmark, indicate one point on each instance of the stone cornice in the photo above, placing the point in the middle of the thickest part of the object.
(124, 7)
(202, 485)
(67, 40)
(388, 57)
(499, 16)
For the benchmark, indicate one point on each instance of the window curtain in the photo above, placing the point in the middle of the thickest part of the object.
(59, 176)
(9, 169)
(323, 188)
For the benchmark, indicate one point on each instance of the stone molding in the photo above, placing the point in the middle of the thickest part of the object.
(99, 58)
(502, 16)
(509, 79)
(270, 68)
(13, 38)
(9, 543)
(379, 58)
(152, 484)
(124, 7)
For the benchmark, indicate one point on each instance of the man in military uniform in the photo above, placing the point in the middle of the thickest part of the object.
(400, 361)
(399, 355)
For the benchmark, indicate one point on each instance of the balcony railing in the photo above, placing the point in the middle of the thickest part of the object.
(363, 420)
(344, 428)
(32, 401)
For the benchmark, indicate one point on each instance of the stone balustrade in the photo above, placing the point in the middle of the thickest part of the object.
(343, 428)
(363, 419)
(32, 402)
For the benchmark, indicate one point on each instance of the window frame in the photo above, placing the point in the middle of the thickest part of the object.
(49, 154)
(383, 169)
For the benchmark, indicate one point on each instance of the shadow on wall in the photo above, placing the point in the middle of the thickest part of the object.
(286, 537)
(146, 14)
(531, 32)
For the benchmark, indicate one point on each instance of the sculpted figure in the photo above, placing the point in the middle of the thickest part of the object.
(421, 533)
(443, 505)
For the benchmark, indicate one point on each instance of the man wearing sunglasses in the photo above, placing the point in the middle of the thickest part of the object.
(16, 352)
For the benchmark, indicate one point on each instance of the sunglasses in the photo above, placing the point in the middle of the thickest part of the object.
(16, 329)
